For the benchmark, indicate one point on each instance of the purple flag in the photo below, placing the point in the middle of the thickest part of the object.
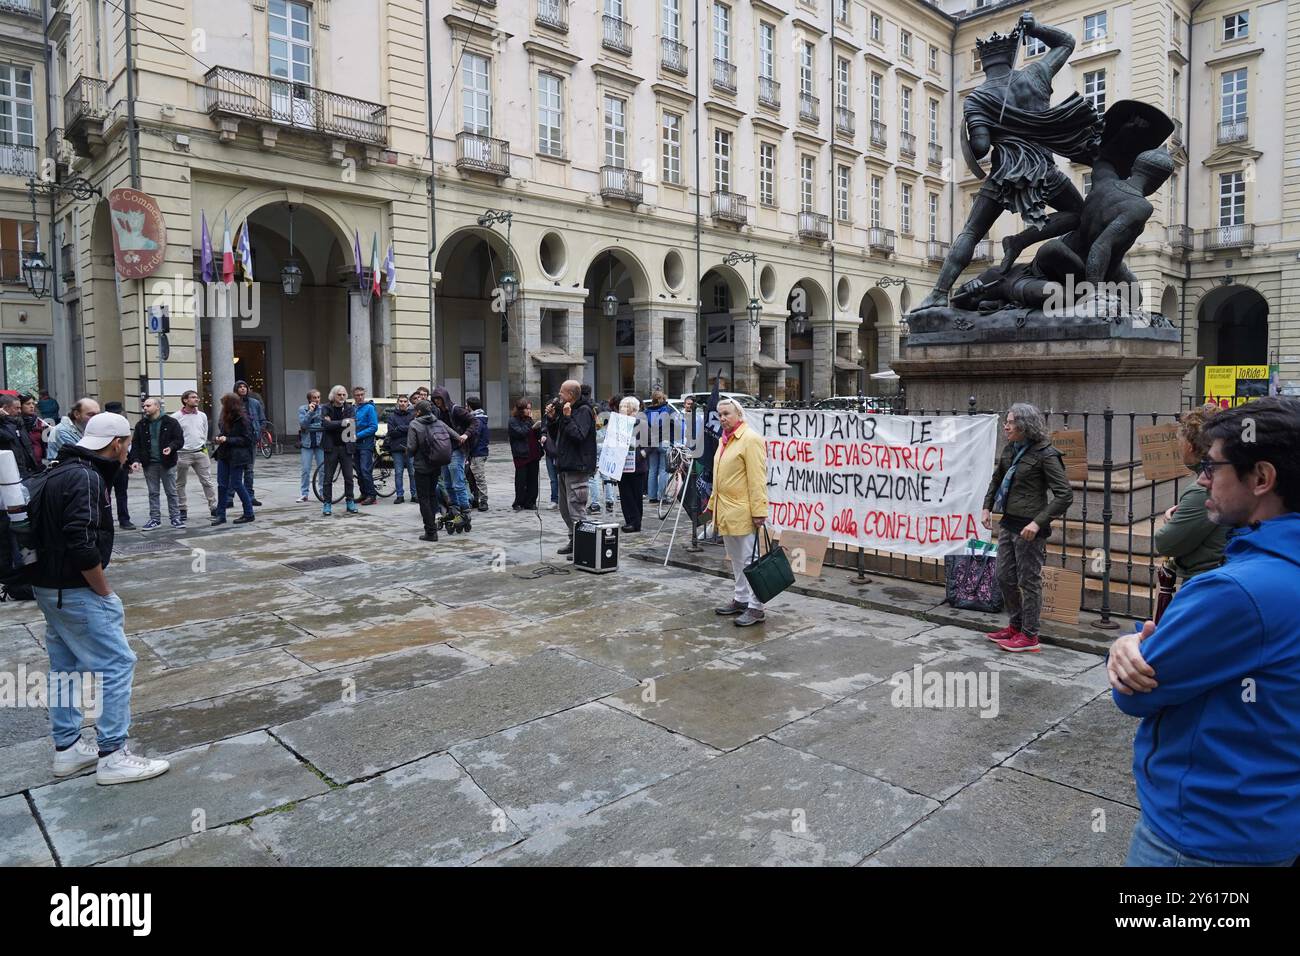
(356, 255)
(205, 255)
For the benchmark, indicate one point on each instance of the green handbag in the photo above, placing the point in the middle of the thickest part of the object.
(770, 574)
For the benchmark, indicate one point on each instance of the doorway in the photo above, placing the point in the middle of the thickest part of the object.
(250, 367)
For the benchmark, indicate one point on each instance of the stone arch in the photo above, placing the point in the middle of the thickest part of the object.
(875, 329)
(250, 201)
(455, 249)
(1232, 323)
(633, 267)
(1169, 303)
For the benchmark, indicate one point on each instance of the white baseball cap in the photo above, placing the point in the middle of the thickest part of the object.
(102, 429)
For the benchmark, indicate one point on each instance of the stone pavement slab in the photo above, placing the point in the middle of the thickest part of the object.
(761, 805)
(721, 704)
(685, 640)
(573, 762)
(348, 743)
(427, 813)
(225, 781)
(391, 611)
(212, 640)
(21, 843)
(181, 685)
(936, 750)
(1092, 751)
(445, 626)
(1012, 819)
(232, 845)
(217, 603)
(29, 764)
(19, 724)
(1052, 661)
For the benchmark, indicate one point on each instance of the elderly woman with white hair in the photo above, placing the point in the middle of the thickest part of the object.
(339, 439)
(631, 487)
(1029, 489)
(738, 504)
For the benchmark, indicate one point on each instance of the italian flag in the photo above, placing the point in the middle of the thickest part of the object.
(375, 268)
(227, 254)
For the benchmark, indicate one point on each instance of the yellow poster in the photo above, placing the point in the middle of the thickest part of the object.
(1220, 381)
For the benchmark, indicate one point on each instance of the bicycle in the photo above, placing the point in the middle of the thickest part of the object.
(266, 440)
(381, 474)
(679, 468)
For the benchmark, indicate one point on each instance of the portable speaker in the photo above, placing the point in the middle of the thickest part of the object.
(595, 547)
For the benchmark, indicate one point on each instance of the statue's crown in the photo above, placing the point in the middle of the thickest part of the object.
(998, 46)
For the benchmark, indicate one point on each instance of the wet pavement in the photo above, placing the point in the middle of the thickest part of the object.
(478, 701)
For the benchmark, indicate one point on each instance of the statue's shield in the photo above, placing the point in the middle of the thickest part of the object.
(972, 163)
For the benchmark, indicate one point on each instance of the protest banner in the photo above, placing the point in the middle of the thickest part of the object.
(1161, 451)
(903, 483)
(620, 435)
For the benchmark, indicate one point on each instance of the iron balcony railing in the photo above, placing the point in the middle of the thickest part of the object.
(881, 239)
(879, 134)
(845, 120)
(1180, 237)
(85, 99)
(809, 107)
(1233, 131)
(618, 182)
(1239, 236)
(29, 8)
(17, 160)
(983, 251)
(482, 153)
(553, 14)
(769, 92)
(936, 154)
(730, 207)
(617, 34)
(673, 56)
(283, 102)
(1177, 136)
(907, 144)
(936, 251)
(814, 225)
(724, 75)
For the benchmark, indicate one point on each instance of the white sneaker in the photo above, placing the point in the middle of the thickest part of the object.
(302, 498)
(76, 758)
(122, 766)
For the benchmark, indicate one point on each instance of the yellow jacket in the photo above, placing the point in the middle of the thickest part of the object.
(739, 482)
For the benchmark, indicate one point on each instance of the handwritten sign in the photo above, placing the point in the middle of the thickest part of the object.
(1161, 452)
(1074, 451)
(1062, 591)
(806, 552)
(620, 434)
(902, 483)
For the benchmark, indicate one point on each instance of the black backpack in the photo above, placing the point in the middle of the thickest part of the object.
(19, 535)
(436, 451)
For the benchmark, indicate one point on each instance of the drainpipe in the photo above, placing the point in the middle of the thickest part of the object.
(701, 334)
(132, 131)
(432, 185)
(1187, 181)
(833, 295)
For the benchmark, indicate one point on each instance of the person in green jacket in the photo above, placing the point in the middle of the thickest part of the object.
(1191, 541)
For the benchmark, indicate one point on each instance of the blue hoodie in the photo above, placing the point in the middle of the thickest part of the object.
(1217, 757)
(367, 421)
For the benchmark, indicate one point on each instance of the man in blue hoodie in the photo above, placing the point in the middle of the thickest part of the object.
(1217, 755)
(367, 425)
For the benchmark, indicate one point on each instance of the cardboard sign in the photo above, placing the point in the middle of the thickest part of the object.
(1074, 451)
(139, 234)
(1062, 592)
(806, 552)
(1161, 451)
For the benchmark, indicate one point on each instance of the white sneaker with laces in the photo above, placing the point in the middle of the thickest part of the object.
(122, 766)
(76, 758)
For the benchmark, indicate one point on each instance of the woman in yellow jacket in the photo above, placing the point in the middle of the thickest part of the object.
(739, 503)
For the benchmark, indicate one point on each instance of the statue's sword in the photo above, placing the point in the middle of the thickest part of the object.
(1024, 41)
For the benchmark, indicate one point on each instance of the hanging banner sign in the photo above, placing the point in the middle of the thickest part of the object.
(620, 435)
(139, 234)
(903, 483)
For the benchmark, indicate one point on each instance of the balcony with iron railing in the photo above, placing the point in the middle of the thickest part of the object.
(879, 134)
(617, 35)
(84, 111)
(936, 154)
(1239, 236)
(673, 56)
(17, 159)
(983, 251)
(814, 225)
(845, 121)
(478, 152)
(26, 8)
(234, 95)
(810, 107)
(724, 75)
(618, 182)
(1181, 238)
(936, 251)
(907, 145)
(880, 239)
(730, 207)
(769, 92)
(553, 14)
(1234, 131)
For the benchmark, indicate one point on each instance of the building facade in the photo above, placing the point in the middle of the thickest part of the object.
(635, 195)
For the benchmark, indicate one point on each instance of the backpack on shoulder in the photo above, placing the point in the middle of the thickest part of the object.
(436, 452)
(19, 535)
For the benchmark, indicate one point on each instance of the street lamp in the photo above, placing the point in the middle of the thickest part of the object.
(755, 308)
(290, 272)
(509, 282)
(609, 303)
(37, 271)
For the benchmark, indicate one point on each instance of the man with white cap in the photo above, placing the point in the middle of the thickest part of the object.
(71, 520)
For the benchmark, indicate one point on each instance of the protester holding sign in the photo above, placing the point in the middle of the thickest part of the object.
(739, 504)
(1029, 470)
(631, 486)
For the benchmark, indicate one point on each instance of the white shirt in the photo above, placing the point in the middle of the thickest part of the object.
(194, 426)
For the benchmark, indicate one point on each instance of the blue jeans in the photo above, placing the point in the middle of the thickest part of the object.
(365, 466)
(310, 458)
(230, 479)
(554, 477)
(402, 463)
(87, 635)
(453, 480)
(656, 473)
(1147, 849)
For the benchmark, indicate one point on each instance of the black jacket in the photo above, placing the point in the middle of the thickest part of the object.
(14, 438)
(460, 420)
(237, 449)
(169, 434)
(76, 507)
(575, 438)
(399, 423)
(331, 424)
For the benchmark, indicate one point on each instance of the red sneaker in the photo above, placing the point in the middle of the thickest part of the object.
(1021, 642)
(1006, 634)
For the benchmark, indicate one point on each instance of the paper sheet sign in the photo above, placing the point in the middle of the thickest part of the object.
(1074, 451)
(1161, 451)
(1062, 592)
(620, 435)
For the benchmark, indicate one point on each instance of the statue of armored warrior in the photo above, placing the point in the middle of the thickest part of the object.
(1011, 114)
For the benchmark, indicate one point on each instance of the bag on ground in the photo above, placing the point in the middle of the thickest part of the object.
(971, 578)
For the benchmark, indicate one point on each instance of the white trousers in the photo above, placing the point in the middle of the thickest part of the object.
(740, 548)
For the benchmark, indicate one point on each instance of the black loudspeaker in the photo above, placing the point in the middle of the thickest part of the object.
(595, 547)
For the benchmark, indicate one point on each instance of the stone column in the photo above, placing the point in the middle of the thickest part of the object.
(360, 368)
(886, 346)
(779, 333)
(694, 377)
(383, 349)
(743, 352)
(823, 367)
(574, 340)
(221, 346)
(649, 327)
